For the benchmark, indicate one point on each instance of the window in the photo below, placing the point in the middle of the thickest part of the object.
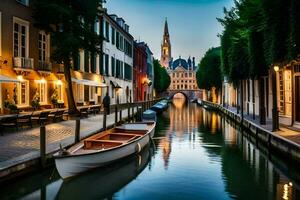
(117, 39)
(107, 31)
(24, 2)
(121, 69)
(60, 92)
(113, 35)
(118, 69)
(97, 27)
(80, 93)
(106, 71)
(113, 66)
(23, 93)
(43, 46)
(42, 91)
(92, 93)
(20, 38)
(128, 72)
(121, 43)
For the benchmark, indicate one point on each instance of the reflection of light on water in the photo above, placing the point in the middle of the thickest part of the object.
(166, 146)
(287, 191)
(214, 122)
(179, 103)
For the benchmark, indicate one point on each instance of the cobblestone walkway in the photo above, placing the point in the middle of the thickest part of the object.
(289, 133)
(25, 143)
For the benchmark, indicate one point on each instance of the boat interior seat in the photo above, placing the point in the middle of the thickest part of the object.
(101, 144)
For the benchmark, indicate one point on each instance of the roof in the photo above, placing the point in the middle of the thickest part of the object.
(180, 62)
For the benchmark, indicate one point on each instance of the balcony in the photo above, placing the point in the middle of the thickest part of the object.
(21, 63)
(44, 66)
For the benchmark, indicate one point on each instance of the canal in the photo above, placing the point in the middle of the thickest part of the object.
(196, 154)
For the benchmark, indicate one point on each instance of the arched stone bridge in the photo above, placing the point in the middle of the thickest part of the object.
(189, 94)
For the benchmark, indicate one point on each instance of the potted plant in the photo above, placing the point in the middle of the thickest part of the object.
(35, 103)
(10, 107)
(54, 98)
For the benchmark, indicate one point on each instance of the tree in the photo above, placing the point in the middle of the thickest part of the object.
(209, 71)
(294, 34)
(71, 26)
(162, 79)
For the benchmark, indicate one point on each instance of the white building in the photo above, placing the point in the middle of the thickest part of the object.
(117, 58)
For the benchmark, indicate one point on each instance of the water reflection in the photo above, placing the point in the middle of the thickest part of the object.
(104, 182)
(198, 155)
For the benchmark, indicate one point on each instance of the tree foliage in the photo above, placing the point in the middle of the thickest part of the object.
(209, 72)
(258, 34)
(162, 79)
(71, 26)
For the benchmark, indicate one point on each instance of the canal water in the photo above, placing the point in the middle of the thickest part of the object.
(196, 154)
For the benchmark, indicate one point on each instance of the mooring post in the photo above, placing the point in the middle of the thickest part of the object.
(77, 130)
(104, 118)
(120, 115)
(116, 113)
(43, 143)
(128, 109)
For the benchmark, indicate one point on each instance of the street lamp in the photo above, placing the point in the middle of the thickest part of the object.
(275, 121)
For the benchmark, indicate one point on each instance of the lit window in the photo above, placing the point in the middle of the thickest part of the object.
(42, 90)
(22, 93)
(92, 93)
(80, 92)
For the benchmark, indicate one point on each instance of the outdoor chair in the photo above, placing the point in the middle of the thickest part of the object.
(42, 117)
(66, 114)
(57, 116)
(9, 122)
(24, 120)
(84, 112)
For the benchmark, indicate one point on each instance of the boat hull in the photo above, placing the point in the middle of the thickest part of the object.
(69, 166)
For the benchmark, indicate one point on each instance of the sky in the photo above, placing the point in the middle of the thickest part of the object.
(193, 26)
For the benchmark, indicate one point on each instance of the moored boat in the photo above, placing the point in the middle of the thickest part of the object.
(199, 102)
(104, 148)
(149, 115)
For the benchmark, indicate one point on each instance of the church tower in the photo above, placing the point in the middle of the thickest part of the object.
(166, 48)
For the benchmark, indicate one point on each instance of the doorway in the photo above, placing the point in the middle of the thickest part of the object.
(297, 98)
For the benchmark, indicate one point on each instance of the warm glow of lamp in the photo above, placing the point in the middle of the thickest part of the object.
(43, 80)
(58, 82)
(20, 78)
(276, 68)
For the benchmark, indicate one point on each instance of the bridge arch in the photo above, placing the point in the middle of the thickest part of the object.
(172, 94)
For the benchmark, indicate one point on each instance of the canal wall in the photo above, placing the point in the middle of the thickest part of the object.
(32, 162)
(271, 140)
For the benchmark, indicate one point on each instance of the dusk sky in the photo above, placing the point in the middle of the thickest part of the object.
(192, 23)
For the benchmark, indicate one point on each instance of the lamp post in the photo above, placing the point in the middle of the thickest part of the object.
(275, 120)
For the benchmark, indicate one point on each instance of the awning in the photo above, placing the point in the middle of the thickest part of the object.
(88, 82)
(115, 84)
(6, 79)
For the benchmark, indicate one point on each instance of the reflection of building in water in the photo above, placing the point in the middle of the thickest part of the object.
(165, 144)
(183, 116)
(229, 133)
(211, 120)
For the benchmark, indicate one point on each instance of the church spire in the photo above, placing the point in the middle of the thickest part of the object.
(166, 48)
(166, 31)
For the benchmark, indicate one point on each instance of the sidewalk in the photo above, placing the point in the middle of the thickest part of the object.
(21, 146)
(289, 133)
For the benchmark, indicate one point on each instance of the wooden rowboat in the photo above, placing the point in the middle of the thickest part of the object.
(104, 148)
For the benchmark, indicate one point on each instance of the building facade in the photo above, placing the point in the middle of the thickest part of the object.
(258, 95)
(140, 72)
(183, 75)
(26, 71)
(117, 58)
